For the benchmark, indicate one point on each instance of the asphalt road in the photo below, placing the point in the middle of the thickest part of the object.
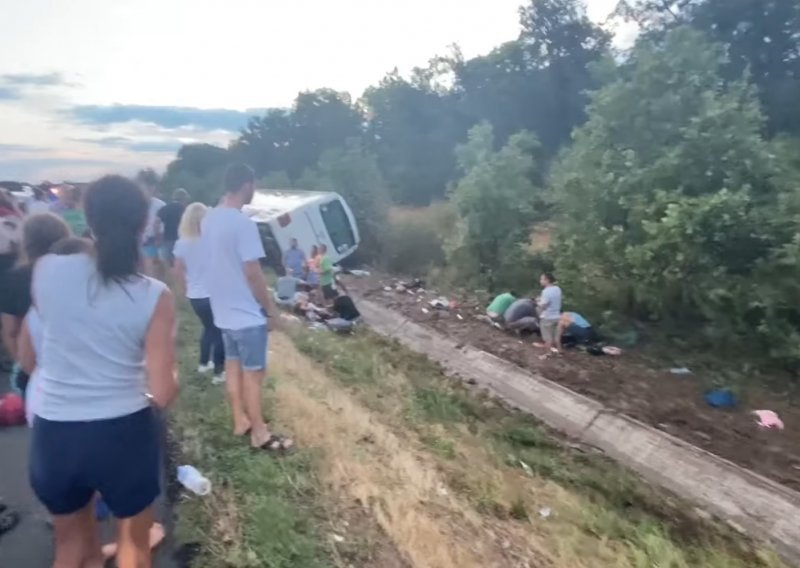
(30, 544)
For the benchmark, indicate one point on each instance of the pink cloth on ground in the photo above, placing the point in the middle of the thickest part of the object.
(769, 419)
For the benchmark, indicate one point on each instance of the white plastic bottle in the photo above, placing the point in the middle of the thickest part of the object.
(193, 480)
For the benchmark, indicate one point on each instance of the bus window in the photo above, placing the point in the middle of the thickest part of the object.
(274, 256)
(338, 225)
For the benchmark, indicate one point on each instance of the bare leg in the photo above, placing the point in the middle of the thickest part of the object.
(77, 542)
(253, 381)
(133, 540)
(233, 387)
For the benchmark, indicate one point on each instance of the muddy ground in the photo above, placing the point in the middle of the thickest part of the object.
(671, 403)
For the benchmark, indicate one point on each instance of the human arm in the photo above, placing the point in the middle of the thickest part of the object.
(10, 326)
(257, 283)
(251, 251)
(26, 356)
(179, 275)
(159, 346)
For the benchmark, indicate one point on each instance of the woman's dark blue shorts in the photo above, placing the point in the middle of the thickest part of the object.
(119, 458)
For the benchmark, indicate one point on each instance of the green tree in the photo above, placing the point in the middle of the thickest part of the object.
(413, 129)
(292, 140)
(763, 39)
(495, 200)
(670, 199)
(353, 173)
(198, 168)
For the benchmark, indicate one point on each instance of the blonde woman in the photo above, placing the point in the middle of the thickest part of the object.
(190, 261)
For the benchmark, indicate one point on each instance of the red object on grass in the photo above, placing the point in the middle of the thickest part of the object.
(12, 410)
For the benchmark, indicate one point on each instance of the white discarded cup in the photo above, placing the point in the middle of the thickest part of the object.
(193, 480)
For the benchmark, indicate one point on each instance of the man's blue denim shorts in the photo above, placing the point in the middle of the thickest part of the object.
(248, 346)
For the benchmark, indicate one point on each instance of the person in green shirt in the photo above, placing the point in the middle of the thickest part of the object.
(327, 279)
(72, 211)
(499, 306)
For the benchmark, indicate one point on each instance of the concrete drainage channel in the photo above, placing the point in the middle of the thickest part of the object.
(750, 502)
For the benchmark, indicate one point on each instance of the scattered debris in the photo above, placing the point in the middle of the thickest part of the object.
(769, 419)
(545, 512)
(612, 351)
(425, 311)
(680, 371)
(360, 273)
(526, 468)
(440, 303)
(720, 398)
(337, 538)
(459, 316)
(193, 480)
(442, 490)
(387, 288)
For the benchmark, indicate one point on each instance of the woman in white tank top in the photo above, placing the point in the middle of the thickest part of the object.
(107, 356)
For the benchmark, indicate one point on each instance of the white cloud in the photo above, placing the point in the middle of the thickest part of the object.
(237, 54)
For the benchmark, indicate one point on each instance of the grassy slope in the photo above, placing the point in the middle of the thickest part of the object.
(607, 512)
(262, 511)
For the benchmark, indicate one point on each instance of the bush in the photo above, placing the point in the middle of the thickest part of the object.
(414, 241)
(673, 206)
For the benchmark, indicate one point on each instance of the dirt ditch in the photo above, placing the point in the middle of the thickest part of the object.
(671, 403)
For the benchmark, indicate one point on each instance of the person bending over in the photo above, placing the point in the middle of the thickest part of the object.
(499, 305)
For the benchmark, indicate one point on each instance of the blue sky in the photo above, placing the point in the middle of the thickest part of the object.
(92, 86)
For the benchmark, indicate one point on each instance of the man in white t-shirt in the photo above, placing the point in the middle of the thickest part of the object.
(241, 304)
(152, 266)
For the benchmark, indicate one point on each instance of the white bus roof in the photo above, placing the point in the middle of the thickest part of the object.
(268, 204)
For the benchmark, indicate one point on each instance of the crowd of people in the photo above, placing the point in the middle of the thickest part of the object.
(541, 314)
(90, 323)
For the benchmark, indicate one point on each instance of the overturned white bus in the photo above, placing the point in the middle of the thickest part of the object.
(311, 217)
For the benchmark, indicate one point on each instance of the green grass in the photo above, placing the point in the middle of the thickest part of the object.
(656, 528)
(263, 512)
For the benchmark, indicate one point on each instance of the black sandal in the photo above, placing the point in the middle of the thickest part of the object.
(8, 520)
(277, 444)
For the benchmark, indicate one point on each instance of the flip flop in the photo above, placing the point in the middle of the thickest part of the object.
(277, 444)
(8, 520)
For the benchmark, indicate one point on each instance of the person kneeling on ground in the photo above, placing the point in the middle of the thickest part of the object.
(521, 316)
(498, 307)
(286, 291)
(343, 314)
(574, 329)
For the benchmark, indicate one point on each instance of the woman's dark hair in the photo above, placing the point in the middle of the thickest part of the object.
(40, 232)
(116, 211)
(72, 245)
(550, 277)
(314, 250)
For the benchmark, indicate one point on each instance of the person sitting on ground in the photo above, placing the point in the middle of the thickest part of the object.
(286, 291)
(574, 329)
(294, 261)
(549, 311)
(521, 316)
(343, 315)
(499, 305)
